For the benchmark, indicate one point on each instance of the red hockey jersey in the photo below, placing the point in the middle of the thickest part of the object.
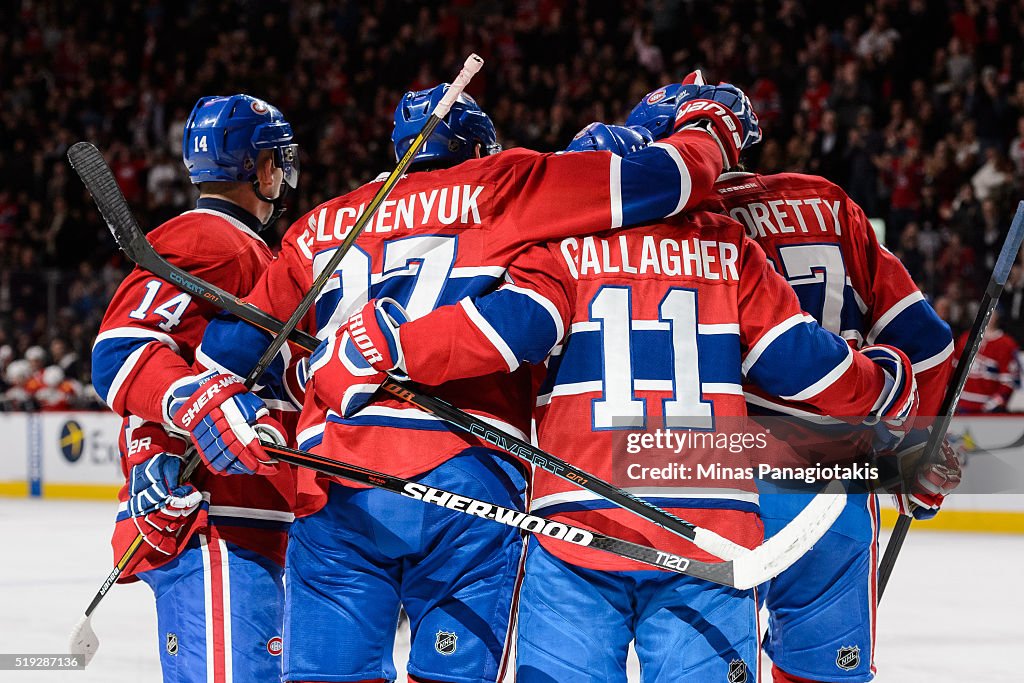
(444, 235)
(148, 340)
(993, 377)
(653, 327)
(821, 242)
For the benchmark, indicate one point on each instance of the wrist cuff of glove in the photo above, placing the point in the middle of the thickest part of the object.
(390, 316)
(207, 397)
(717, 121)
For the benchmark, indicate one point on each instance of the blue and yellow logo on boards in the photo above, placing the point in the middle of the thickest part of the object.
(72, 441)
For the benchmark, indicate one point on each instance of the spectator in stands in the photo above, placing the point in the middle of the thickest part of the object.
(57, 392)
(993, 176)
(995, 374)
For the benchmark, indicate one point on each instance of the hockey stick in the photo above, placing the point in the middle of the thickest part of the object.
(748, 569)
(1007, 256)
(94, 172)
(128, 233)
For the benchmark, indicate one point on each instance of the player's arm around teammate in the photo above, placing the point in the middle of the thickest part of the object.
(550, 292)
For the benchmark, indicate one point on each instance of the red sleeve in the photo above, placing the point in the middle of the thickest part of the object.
(287, 279)
(518, 323)
(578, 193)
(788, 355)
(150, 331)
(899, 315)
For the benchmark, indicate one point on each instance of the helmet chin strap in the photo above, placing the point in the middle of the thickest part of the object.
(277, 202)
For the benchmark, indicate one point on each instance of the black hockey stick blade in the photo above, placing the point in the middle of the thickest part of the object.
(1001, 271)
(92, 168)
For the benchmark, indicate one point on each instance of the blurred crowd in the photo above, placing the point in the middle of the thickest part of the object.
(916, 107)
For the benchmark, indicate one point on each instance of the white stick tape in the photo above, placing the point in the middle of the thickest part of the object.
(469, 69)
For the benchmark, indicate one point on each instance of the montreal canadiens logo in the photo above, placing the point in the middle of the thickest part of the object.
(275, 646)
(259, 106)
(656, 96)
(587, 129)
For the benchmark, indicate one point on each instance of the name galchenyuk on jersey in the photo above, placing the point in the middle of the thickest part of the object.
(444, 206)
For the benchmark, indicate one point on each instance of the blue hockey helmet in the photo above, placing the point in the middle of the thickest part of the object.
(224, 136)
(657, 110)
(620, 140)
(455, 137)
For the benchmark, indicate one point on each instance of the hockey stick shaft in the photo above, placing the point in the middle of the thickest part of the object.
(717, 572)
(97, 177)
(471, 66)
(1007, 256)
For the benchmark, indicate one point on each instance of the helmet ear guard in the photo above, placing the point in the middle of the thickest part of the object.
(224, 136)
(285, 158)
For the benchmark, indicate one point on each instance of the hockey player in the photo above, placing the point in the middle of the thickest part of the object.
(656, 325)
(994, 376)
(214, 547)
(450, 230)
(822, 609)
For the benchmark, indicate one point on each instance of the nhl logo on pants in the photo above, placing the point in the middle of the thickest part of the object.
(848, 657)
(172, 644)
(445, 643)
(737, 671)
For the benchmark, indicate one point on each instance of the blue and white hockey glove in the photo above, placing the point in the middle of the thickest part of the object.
(158, 501)
(223, 417)
(349, 366)
(721, 110)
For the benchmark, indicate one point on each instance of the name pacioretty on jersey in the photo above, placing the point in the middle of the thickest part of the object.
(520, 520)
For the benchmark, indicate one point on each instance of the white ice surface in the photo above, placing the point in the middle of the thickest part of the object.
(944, 618)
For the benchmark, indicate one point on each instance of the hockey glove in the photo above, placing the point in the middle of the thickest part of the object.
(924, 485)
(896, 407)
(724, 112)
(350, 365)
(225, 421)
(158, 502)
(154, 504)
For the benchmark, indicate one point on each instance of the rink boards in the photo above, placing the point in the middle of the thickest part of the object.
(73, 455)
